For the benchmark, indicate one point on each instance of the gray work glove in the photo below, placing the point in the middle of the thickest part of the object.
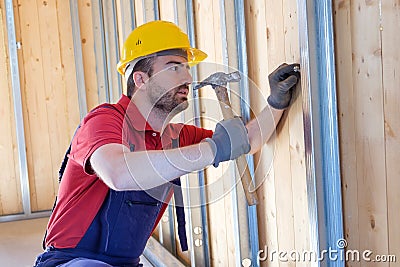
(282, 81)
(229, 141)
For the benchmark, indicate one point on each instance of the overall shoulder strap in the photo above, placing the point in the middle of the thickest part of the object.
(179, 208)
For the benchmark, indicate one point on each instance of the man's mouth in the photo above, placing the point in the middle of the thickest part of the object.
(183, 91)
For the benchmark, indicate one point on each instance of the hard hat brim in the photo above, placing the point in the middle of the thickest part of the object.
(194, 57)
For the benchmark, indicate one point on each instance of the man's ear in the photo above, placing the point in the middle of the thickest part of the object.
(139, 78)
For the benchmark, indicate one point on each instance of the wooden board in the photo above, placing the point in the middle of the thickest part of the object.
(139, 12)
(370, 146)
(276, 49)
(112, 50)
(256, 29)
(70, 106)
(301, 220)
(35, 112)
(167, 11)
(90, 67)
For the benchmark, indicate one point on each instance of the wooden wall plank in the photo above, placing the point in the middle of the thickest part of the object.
(283, 214)
(391, 81)
(125, 19)
(346, 120)
(370, 146)
(100, 51)
(275, 15)
(112, 49)
(150, 10)
(257, 46)
(35, 113)
(230, 63)
(139, 12)
(10, 193)
(53, 100)
(125, 24)
(167, 11)
(181, 14)
(70, 108)
(301, 220)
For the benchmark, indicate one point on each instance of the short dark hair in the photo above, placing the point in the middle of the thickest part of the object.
(144, 65)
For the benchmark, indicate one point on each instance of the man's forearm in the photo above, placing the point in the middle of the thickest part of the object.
(262, 127)
(141, 170)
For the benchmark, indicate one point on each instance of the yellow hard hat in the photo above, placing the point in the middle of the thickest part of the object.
(157, 36)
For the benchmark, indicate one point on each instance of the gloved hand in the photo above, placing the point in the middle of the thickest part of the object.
(229, 141)
(282, 81)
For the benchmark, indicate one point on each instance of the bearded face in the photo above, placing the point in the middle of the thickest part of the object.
(168, 99)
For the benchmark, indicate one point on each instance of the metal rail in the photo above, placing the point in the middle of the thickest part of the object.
(80, 78)
(320, 127)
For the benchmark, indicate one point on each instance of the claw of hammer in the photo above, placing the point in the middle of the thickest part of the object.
(218, 79)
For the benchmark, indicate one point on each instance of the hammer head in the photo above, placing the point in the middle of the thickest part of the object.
(218, 79)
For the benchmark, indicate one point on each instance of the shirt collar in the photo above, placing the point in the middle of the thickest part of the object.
(138, 122)
(132, 112)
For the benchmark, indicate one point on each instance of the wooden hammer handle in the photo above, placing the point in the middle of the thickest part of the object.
(241, 162)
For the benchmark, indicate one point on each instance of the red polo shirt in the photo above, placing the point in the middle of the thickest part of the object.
(81, 192)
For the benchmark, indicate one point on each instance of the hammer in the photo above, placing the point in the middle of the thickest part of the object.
(218, 82)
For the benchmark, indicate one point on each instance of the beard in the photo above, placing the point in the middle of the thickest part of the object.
(168, 101)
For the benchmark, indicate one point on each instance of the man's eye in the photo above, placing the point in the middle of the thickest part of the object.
(174, 68)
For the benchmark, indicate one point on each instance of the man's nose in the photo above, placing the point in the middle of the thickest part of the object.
(187, 77)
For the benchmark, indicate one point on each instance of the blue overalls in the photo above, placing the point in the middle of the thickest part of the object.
(119, 232)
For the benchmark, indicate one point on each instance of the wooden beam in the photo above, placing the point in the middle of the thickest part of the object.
(257, 51)
(370, 139)
(276, 47)
(94, 96)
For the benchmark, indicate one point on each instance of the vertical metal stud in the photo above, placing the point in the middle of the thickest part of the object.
(112, 49)
(133, 14)
(100, 51)
(201, 254)
(235, 55)
(229, 63)
(80, 79)
(19, 120)
(144, 10)
(320, 126)
(245, 109)
(127, 14)
(156, 10)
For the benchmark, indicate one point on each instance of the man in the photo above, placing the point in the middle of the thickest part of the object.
(124, 158)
